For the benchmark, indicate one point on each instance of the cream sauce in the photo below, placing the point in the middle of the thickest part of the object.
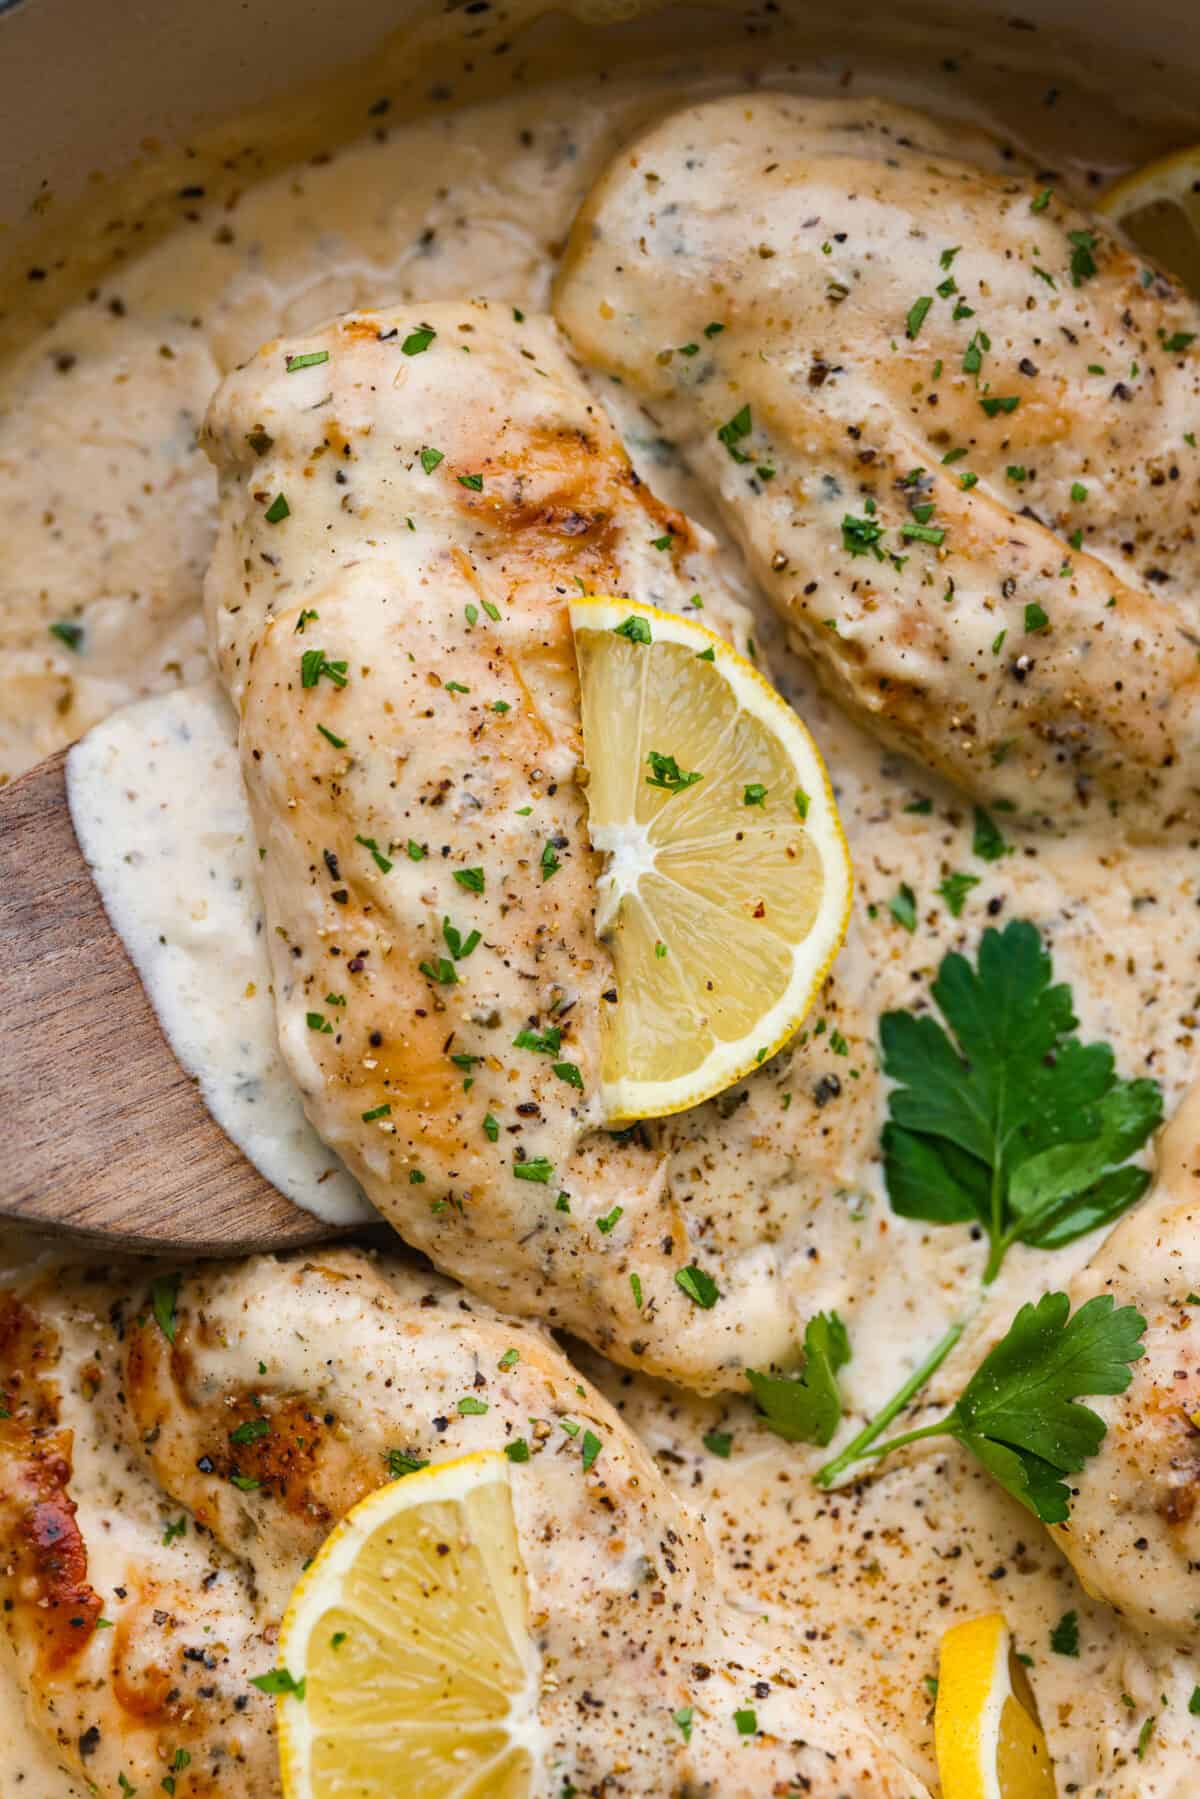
(109, 509)
(174, 858)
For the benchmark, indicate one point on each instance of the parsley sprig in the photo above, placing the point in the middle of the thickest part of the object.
(1003, 1117)
(1019, 1413)
(1011, 1121)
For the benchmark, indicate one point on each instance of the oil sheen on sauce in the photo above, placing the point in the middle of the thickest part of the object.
(110, 511)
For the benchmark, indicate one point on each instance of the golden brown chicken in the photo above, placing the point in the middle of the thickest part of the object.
(191, 1530)
(406, 507)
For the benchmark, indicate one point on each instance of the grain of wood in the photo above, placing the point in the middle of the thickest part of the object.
(104, 1134)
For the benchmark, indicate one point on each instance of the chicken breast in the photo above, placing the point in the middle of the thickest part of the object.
(405, 509)
(352, 1364)
(950, 420)
(1134, 1534)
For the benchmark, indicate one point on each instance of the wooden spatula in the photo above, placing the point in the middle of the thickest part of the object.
(103, 1133)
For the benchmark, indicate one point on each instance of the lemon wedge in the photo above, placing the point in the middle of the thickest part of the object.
(726, 884)
(989, 1743)
(411, 1637)
(1158, 206)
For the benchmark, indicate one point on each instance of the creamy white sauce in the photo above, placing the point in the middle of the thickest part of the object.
(159, 809)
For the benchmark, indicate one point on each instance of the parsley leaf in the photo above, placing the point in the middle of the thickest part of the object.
(807, 1407)
(1019, 1412)
(1011, 1121)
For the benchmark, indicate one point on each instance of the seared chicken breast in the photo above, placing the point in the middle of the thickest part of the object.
(406, 506)
(949, 419)
(1134, 1531)
(136, 1499)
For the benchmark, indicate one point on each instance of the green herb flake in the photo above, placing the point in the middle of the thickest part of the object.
(954, 890)
(430, 459)
(279, 1681)
(381, 861)
(700, 1287)
(667, 774)
(536, 1169)
(718, 1443)
(1064, 1638)
(250, 1431)
(746, 1719)
(592, 1446)
(916, 315)
(163, 1297)
(682, 1719)
(903, 907)
(1036, 619)
(470, 1407)
(400, 1463)
(635, 629)
(278, 510)
(68, 632)
(473, 879)
(733, 431)
(308, 360)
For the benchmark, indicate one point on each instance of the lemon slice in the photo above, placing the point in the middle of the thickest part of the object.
(410, 1633)
(989, 1743)
(1159, 208)
(726, 886)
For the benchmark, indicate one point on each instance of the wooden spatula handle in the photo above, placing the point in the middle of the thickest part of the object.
(103, 1133)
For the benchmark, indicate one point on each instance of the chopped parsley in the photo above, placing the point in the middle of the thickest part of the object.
(517, 1450)
(1064, 1638)
(308, 360)
(278, 510)
(473, 879)
(667, 774)
(861, 536)
(734, 430)
(903, 907)
(68, 632)
(381, 861)
(535, 1169)
(470, 1407)
(279, 1681)
(700, 1287)
(400, 1463)
(636, 629)
(315, 663)
(418, 340)
(988, 841)
(163, 1297)
(954, 890)
(754, 794)
(1083, 260)
(430, 459)
(916, 315)
(1036, 619)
